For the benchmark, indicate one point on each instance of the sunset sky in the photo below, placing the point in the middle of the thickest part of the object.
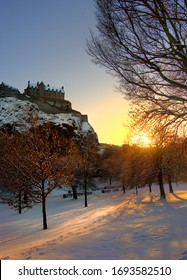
(45, 40)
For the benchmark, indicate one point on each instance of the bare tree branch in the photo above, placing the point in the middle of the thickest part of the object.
(144, 44)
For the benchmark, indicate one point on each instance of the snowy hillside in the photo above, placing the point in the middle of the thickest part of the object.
(18, 114)
(114, 226)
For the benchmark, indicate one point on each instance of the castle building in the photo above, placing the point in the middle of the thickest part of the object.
(40, 92)
(49, 99)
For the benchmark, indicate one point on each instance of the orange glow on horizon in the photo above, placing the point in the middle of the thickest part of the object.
(118, 137)
(109, 119)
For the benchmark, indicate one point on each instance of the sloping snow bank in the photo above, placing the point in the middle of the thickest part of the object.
(114, 226)
(19, 114)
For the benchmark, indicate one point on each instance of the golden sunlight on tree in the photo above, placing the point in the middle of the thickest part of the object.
(165, 147)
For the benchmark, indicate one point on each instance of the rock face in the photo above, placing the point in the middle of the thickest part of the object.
(18, 115)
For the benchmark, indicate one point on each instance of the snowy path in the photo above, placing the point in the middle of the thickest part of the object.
(112, 227)
(64, 225)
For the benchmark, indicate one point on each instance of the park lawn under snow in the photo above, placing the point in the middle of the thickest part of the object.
(113, 226)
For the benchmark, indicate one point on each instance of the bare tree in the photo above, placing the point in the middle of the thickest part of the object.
(36, 163)
(132, 172)
(85, 163)
(173, 159)
(111, 162)
(15, 190)
(144, 44)
(14, 187)
(180, 150)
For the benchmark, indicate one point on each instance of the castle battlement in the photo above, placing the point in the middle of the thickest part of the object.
(46, 87)
(45, 92)
(40, 93)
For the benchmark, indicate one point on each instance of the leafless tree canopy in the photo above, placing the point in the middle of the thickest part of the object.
(144, 44)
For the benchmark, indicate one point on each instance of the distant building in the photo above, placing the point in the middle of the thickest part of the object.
(45, 93)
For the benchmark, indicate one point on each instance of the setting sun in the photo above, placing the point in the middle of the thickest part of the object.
(141, 139)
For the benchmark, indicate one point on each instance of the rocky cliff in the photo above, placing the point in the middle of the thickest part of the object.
(18, 115)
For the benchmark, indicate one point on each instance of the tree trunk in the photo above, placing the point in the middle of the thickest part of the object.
(170, 184)
(161, 184)
(85, 193)
(110, 180)
(25, 197)
(19, 202)
(150, 190)
(44, 206)
(123, 186)
(74, 190)
(136, 190)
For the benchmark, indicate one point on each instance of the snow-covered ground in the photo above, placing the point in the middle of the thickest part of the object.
(114, 226)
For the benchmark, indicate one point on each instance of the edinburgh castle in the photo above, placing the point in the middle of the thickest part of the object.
(49, 99)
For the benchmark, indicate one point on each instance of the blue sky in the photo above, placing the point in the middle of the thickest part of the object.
(45, 40)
